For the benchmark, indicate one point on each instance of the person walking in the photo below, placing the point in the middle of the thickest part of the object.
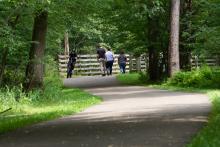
(71, 64)
(109, 61)
(122, 59)
(101, 59)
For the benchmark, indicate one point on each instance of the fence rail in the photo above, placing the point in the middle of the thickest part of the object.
(197, 61)
(88, 64)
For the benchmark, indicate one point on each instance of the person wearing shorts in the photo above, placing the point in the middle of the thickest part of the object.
(101, 59)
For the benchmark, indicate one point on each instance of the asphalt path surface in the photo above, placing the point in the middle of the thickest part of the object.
(129, 116)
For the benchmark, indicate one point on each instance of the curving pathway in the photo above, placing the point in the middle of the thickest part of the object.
(129, 116)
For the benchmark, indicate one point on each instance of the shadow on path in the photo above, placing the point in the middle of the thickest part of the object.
(129, 116)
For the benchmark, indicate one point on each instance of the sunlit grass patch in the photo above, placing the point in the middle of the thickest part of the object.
(23, 113)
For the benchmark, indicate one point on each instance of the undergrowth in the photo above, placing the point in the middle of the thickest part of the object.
(51, 102)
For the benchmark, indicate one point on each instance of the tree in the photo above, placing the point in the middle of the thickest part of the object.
(186, 33)
(173, 59)
(143, 31)
(35, 68)
(206, 24)
(66, 44)
(11, 12)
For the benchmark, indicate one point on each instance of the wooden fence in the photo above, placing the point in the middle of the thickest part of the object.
(197, 61)
(88, 64)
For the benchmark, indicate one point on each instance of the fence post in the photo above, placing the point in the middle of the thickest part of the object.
(217, 60)
(85, 66)
(147, 62)
(190, 61)
(66, 44)
(130, 63)
(138, 63)
(196, 61)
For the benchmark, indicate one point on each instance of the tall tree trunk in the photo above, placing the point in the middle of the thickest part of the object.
(174, 64)
(185, 50)
(35, 68)
(153, 70)
(66, 44)
(3, 63)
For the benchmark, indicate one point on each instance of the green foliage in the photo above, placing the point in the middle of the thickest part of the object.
(40, 105)
(129, 79)
(33, 108)
(129, 25)
(16, 26)
(13, 96)
(144, 77)
(209, 136)
(133, 78)
(13, 77)
(52, 81)
(199, 78)
(206, 26)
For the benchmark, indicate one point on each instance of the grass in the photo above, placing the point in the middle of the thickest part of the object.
(53, 101)
(210, 134)
(30, 112)
(130, 79)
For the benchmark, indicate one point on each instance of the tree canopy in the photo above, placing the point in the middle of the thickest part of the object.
(138, 27)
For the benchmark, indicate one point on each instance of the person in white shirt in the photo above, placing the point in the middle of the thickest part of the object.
(109, 61)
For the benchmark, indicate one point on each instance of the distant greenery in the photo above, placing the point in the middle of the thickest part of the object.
(96, 21)
(41, 105)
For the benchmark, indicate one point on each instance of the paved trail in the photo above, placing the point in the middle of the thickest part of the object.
(129, 116)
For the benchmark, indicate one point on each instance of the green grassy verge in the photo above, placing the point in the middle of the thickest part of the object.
(50, 102)
(30, 112)
(210, 134)
(131, 79)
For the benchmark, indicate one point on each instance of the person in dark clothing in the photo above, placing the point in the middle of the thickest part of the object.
(122, 59)
(101, 59)
(71, 64)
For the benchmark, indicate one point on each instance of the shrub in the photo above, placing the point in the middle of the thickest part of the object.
(14, 97)
(13, 77)
(52, 81)
(204, 77)
(143, 77)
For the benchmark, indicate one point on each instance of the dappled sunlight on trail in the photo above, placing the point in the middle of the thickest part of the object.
(128, 116)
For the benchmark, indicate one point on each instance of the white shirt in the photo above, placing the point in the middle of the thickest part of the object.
(109, 56)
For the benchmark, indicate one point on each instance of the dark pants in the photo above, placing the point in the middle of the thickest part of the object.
(122, 67)
(70, 68)
(69, 73)
(109, 65)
